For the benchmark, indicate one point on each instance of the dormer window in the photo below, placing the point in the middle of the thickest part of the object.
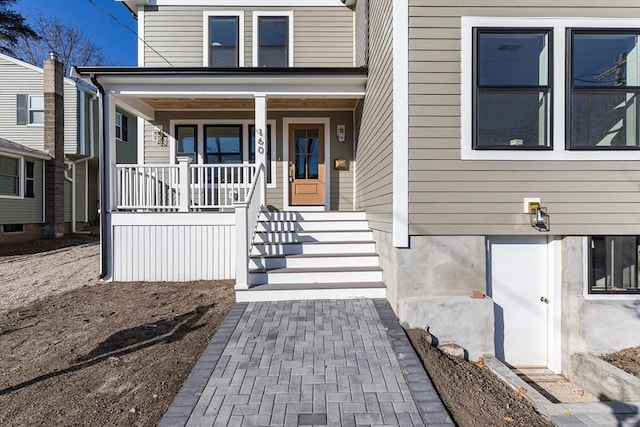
(273, 39)
(224, 39)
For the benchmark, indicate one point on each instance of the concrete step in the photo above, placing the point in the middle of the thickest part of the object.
(313, 261)
(312, 216)
(318, 248)
(294, 226)
(313, 236)
(310, 276)
(270, 292)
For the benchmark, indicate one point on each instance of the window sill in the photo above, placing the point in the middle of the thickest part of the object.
(560, 154)
(611, 297)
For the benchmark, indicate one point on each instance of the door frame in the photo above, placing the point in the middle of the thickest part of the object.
(326, 122)
(554, 293)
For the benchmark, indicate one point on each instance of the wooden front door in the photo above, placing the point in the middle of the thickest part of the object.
(306, 164)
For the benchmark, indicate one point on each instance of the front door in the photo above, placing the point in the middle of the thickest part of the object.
(306, 165)
(518, 285)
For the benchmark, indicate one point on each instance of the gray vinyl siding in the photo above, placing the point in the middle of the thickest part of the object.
(323, 36)
(360, 34)
(81, 188)
(27, 210)
(341, 194)
(451, 196)
(374, 177)
(93, 193)
(67, 201)
(127, 151)
(17, 79)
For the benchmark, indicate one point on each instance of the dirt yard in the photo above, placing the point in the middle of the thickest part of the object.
(474, 396)
(99, 354)
(628, 360)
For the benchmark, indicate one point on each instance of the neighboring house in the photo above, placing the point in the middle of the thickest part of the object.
(493, 149)
(25, 152)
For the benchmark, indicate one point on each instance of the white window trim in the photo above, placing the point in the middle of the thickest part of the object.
(200, 124)
(29, 111)
(258, 14)
(585, 272)
(205, 33)
(326, 121)
(21, 177)
(253, 3)
(558, 90)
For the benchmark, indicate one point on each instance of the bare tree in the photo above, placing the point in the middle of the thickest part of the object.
(67, 41)
(12, 25)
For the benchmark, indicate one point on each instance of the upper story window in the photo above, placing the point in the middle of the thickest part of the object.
(550, 88)
(122, 127)
(36, 109)
(512, 89)
(29, 109)
(273, 39)
(605, 84)
(223, 39)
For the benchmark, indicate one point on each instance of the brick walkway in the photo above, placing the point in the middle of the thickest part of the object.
(337, 362)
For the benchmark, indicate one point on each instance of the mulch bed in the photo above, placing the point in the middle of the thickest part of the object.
(628, 360)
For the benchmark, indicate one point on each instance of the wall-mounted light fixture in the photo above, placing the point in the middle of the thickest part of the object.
(538, 217)
(341, 130)
(159, 137)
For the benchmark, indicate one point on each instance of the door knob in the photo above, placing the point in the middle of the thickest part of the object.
(544, 300)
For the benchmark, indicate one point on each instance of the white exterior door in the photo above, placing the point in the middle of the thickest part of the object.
(518, 284)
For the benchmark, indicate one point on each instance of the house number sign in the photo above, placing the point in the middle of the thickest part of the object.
(260, 142)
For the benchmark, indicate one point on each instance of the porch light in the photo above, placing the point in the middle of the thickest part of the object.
(538, 217)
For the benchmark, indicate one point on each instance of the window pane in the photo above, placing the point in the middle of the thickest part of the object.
(602, 119)
(301, 165)
(224, 41)
(273, 41)
(9, 179)
(223, 144)
(605, 60)
(510, 118)
(513, 59)
(36, 117)
(614, 264)
(186, 142)
(313, 167)
(36, 102)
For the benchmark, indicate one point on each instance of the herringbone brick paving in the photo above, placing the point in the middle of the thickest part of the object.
(321, 362)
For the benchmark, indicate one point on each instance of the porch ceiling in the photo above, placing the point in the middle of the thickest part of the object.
(249, 104)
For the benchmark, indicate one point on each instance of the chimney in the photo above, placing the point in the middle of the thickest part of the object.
(54, 143)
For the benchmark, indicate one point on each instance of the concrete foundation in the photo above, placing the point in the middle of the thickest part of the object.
(603, 379)
(465, 321)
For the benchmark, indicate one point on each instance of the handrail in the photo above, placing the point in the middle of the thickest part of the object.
(247, 215)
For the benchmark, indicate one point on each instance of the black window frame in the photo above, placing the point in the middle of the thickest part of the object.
(287, 45)
(123, 127)
(592, 272)
(477, 31)
(610, 89)
(196, 152)
(211, 47)
(219, 153)
(29, 179)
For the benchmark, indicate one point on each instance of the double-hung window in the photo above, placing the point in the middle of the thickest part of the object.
(224, 41)
(122, 127)
(613, 264)
(605, 84)
(273, 40)
(10, 176)
(187, 142)
(36, 109)
(512, 89)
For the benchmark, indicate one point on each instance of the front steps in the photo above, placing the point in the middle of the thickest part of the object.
(313, 255)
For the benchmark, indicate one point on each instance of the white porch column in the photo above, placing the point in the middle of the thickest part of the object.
(261, 142)
(110, 150)
(183, 168)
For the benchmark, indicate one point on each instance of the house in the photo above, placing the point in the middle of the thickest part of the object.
(484, 149)
(34, 204)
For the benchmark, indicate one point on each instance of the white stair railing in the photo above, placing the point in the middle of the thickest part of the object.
(247, 214)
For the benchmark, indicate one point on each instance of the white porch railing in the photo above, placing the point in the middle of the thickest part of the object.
(247, 213)
(183, 187)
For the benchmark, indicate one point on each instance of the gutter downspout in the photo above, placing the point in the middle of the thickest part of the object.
(104, 232)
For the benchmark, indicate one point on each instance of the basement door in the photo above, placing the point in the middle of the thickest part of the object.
(306, 165)
(518, 283)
